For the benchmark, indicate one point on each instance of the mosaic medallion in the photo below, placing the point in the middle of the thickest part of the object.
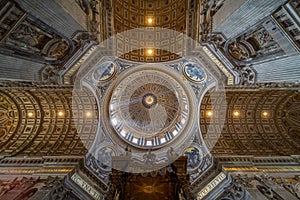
(194, 73)
(105, 72)
(194, 157)
(104, 157)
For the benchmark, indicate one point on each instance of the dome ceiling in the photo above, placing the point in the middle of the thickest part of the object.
(149, 108)
(148, 114)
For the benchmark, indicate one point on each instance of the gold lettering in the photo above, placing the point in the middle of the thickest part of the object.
(86, 187)
(211, 185)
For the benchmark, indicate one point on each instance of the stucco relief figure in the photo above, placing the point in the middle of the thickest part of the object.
(88, 5)
(263, 37)
(171, 153)
(247, 75)
(50, 74)
(261, 42)
(30, 39)
(149, 157)
(27, 35)
(216, 40)
(94, 4)
(91, 8)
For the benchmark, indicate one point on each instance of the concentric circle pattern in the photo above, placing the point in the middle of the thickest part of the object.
(148, 108)
(149, 100)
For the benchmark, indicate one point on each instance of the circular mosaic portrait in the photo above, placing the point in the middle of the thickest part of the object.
(104, 157)
(194, 157)
(194, 73)
(105, 72)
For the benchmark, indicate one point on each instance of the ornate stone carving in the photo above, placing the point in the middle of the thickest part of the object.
(57, 49)
(207, 9)
(293, 188)
(84, 5)
(266, 184)
(88, 6)
(238, 51)
(244, 180)
(32, 39)
(60, 192)
(50, 74)
(247, 75)
(27, 35)
(217, 40)
(83, 38)
(252, 46)
(95, 166)
(51, 182)
(92, 8)
(266, 187)
(235, 191)
(28, 38)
